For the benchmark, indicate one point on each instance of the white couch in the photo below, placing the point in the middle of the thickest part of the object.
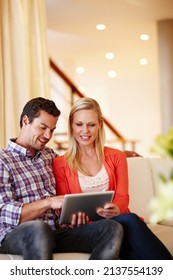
(143, 183)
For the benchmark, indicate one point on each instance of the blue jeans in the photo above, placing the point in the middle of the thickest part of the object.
(35, 240)
(139, 241)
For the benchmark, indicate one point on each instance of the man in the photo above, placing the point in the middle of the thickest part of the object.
(29, 206)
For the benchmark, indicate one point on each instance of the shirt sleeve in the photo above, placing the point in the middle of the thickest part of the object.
(60, 177)
(116, 165)
(122, 195)
(10, 210)
(66, 179)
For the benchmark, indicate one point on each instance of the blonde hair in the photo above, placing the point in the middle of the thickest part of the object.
(72, 155)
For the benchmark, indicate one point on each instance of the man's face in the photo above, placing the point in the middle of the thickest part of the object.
(38, 133)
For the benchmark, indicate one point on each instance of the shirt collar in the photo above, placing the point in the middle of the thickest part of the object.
(13, 146)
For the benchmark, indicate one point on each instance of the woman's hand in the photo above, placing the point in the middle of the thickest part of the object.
(110, 210)
(79, 219)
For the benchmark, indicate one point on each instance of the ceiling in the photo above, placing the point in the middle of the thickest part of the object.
(71, 26)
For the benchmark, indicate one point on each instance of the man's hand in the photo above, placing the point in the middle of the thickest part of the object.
(32, 211)
(56, 202)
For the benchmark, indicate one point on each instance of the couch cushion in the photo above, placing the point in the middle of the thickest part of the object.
(58, 256)
(165, 234)
(167, 223)
(10, 257)
(140, 186)
(159, 166)
(71, 256)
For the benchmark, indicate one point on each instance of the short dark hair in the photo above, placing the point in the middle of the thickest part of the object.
(34, 106)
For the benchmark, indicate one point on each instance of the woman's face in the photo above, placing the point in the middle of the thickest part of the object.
(85, 126)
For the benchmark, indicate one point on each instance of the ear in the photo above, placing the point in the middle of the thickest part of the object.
(25, 120)
(101, 122)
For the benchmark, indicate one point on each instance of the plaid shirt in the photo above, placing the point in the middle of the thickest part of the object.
(24, 179)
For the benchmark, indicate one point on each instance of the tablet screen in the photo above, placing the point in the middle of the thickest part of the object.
(84, 202)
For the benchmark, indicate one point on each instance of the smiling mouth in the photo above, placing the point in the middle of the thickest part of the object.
(43, 142)
(85, 137)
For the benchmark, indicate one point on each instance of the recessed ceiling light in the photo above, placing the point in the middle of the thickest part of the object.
(143, 61)
(109, 55)
(80, 70)
(144, 37)
(112, 74)
(100, 26)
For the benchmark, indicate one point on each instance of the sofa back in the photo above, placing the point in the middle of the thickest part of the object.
(143, 182)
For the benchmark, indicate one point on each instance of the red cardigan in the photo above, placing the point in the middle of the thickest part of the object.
(116, 166)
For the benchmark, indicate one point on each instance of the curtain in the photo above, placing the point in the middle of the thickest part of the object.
(24, 63)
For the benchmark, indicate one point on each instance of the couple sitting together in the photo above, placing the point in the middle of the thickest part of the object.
(34, 180)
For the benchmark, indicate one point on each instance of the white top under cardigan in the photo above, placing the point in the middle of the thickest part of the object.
(96, 183)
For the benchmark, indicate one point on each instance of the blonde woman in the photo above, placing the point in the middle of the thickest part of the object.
(88, 166)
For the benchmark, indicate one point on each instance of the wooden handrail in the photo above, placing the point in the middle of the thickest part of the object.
(80, 94)
(65, 78)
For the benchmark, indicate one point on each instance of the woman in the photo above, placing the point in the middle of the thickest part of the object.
(90, 166)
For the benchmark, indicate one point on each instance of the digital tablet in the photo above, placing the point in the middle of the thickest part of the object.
(84, 202)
